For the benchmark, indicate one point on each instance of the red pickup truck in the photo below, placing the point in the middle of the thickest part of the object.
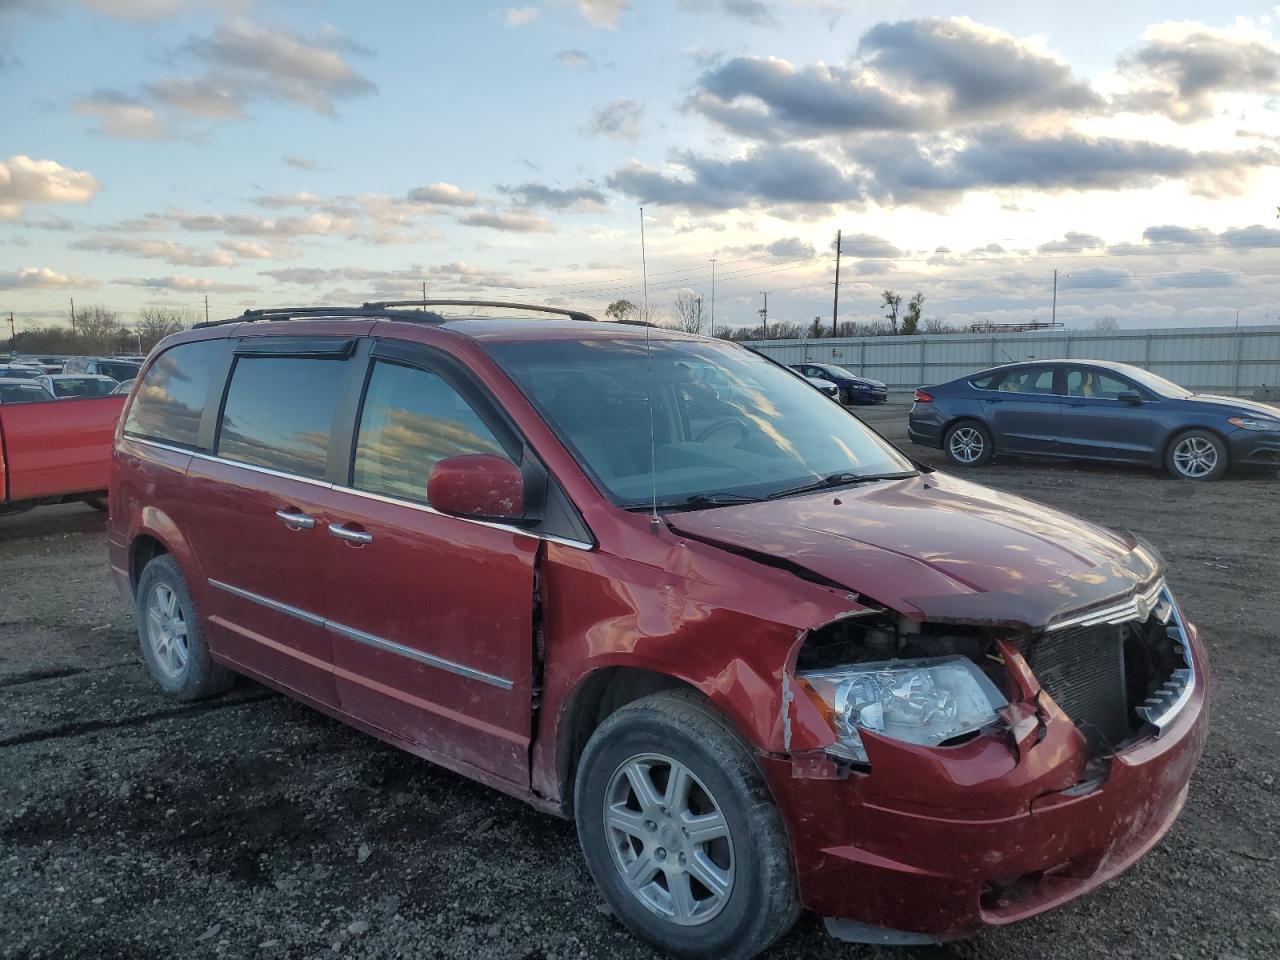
(56, 451)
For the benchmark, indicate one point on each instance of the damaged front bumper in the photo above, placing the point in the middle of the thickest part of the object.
(939, 844)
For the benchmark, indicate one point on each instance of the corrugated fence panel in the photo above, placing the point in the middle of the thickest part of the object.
(1231, 360)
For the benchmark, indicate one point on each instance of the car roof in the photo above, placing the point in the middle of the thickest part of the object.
(1080, 361)
(20, 381)
(75, 376)
(508, 329)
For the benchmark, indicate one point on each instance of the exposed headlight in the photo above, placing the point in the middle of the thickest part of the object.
(917, 701)
(1254, 423)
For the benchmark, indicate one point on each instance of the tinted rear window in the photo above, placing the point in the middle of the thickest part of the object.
(279, 412)
(22, 393)
(170, 401)
(118, 369)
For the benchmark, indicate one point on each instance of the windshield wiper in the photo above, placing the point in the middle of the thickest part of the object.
(697, 501)
(842, 479)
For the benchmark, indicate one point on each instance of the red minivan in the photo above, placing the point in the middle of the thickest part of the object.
(659, 584)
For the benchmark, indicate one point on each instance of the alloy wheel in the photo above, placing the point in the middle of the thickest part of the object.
(669, 839)
(167, 630)
(966, 444)
(1195, 457)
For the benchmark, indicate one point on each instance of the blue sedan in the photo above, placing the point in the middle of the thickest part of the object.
(1093, 410)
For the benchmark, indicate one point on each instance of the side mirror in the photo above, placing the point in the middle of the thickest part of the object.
(1130, 396)
(479, 485)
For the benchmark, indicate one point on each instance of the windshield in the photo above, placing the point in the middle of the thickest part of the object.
(726, 422)
(1159, 385)
(83, 386)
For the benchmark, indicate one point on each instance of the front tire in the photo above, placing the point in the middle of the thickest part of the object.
(681, 833)
(968, 444)
(1197, 455)
(171, 638)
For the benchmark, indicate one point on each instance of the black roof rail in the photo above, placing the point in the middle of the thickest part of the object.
(291, 313)
(562, 311)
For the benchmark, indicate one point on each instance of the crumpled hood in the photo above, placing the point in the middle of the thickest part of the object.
(934, 547)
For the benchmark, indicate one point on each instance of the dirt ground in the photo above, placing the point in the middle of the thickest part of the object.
(250, 826)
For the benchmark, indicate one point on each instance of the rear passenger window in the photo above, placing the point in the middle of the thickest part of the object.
(984, 383)
(1035, 380)
(279, 412)
(170, 400)
(411, 419)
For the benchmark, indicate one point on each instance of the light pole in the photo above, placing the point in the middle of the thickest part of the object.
(713, 297)
(1053, 316)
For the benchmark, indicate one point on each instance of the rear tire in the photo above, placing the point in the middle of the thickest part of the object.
(1197, 455)
(171, 638)
(967, 443)
(632, 815)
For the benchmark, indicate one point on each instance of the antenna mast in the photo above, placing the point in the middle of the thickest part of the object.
(654, 522)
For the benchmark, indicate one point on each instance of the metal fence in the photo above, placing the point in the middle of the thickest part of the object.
(1235, 360)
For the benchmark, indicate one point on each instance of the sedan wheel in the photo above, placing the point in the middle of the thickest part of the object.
(1197, 455)
(968, 444)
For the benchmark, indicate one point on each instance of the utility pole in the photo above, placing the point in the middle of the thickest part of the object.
(424, 295)
(73, 316)
(206, 308)
(13, 335)
(699, 314)
(835, 304)
(713, 296)
(764, 316)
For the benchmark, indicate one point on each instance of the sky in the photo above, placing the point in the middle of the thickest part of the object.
(284, 152)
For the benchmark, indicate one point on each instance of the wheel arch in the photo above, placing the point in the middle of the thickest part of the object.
(155, 534)
(594, 698)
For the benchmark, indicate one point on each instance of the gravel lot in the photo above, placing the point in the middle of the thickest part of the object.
(249, 826)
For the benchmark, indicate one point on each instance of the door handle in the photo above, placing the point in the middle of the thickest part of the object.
(296, 519)
(351, 536)
(1075, 404)
(994, 400)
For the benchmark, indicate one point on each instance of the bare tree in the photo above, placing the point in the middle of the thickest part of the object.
(815, 330)
(625, 310)
(98, 327)
(911, 319)
(1106, 324)
(892, 301)
(686, 311)
(936, 324)
(156, 323)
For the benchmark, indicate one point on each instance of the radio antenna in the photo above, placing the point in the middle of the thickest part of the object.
(654, 522)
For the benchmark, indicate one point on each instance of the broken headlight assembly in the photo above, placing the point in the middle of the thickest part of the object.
(925, 701)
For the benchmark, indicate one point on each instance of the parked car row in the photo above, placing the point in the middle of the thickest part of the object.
(656, 583)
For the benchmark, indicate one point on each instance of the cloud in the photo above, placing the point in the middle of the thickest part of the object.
(440, 278)
(520, 16)
(247, 249)
(603, 13)
(914, 75)
(937, 172)
(578, 59)
(781, 176)
(866, 245)
(619, 119)
(168, 250)
(1183, 236)
(1182, 67)
(24, 180)
(160, 9)
(583, 199)
(1195, 279)
(243, 62)
(752, 11)
(42, 278)
(185, 284)
(443, 194)
(509, 221)
(791, 248)
(1255, 237)
(120, 115)
(1097, 278)
(300, 163)
(1072, 242)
